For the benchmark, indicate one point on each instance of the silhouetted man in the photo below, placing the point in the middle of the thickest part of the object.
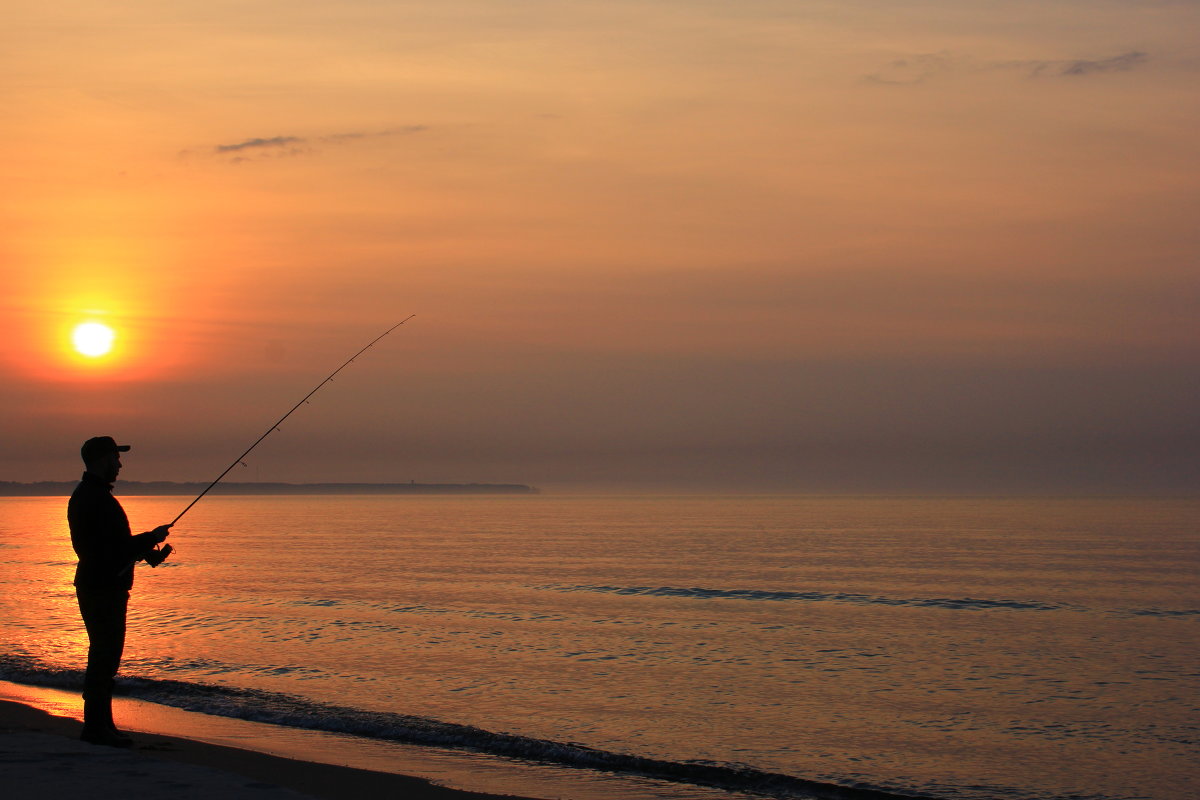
(107, 551)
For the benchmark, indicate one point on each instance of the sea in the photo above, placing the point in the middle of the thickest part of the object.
(690, 647)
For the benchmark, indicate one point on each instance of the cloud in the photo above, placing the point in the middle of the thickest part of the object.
(277, 141)
(1121, 63)
(404, 130)
(922, 67)
(914, 69)
(259, 148)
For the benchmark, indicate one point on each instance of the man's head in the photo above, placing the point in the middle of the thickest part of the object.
(102, 456)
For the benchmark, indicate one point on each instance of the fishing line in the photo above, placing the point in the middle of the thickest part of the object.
(279, 422)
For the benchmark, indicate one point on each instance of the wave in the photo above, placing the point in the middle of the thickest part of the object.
(961, 604)
(1165, 612)
(288, 710)
(955, 604)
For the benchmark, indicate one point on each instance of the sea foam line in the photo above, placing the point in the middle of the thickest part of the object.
(288, 710)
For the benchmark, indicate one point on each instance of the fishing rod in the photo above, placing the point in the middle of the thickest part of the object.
(279, 422)
(159, 554)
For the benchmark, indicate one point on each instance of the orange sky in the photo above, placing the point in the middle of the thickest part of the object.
(671, 245)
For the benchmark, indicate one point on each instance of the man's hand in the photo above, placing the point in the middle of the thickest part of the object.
(161, 533)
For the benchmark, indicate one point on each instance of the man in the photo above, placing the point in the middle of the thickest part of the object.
(107, 551)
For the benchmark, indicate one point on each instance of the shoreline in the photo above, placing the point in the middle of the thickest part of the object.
(43, 757)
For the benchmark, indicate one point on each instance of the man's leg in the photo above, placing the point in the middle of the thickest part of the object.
(104, 617)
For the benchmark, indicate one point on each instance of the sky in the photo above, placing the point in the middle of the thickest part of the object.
(758, 246)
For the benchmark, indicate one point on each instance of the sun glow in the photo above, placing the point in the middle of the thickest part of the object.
(93, 339)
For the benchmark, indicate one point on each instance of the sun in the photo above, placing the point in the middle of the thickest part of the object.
(93, 339)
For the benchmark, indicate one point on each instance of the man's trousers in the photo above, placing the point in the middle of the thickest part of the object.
(103, 612)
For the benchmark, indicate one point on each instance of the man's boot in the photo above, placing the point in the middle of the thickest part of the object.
(98, 726)
(108, 717)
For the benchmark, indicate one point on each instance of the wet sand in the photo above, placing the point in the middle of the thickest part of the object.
(41, 757)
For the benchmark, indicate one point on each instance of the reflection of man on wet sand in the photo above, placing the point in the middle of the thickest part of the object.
(107, 551)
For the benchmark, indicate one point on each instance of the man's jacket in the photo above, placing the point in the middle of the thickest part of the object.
(101, 537)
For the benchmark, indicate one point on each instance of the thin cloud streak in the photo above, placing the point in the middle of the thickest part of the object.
(276, 141)
(919, 68)
(404, 130)
(274, 146)
(1121, 63)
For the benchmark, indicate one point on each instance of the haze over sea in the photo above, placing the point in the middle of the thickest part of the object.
(960, 648)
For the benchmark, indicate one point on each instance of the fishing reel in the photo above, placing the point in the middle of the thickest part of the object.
(159, 555)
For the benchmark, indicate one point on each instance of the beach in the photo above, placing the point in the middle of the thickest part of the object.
(42, 757)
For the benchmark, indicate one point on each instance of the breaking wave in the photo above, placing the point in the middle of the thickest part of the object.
(288, 710)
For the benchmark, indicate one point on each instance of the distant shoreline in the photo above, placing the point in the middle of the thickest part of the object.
(134, 488)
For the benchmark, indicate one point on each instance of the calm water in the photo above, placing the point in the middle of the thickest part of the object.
(959, 648)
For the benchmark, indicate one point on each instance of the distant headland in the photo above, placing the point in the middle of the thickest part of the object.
(131, 488)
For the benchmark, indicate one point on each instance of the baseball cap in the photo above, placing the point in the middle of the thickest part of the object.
(99, 446)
